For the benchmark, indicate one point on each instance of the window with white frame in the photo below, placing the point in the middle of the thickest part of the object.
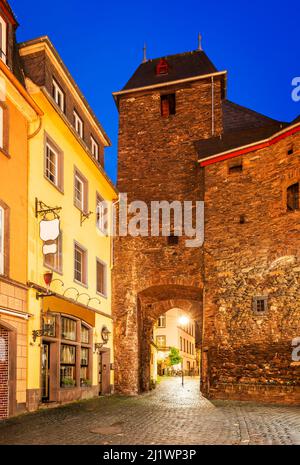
(51, 165)
(1, 240)
(161, 341)
(1, 127)
(80, 264)
(101, 277)
(80, 192)
(78, 124)
(58, 95)
(95, 149)
(3, 39)
(161, 322)
(102, 214)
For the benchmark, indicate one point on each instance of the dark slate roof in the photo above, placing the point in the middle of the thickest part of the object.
(296, 120)
(181, 66)
(242, 126)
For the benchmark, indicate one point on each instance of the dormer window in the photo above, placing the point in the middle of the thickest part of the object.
(162, 67)
(3, 39)
(78, 124)
(95, 149)
(58, 95)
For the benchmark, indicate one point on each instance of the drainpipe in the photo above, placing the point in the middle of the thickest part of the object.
(112, 237)
(212, 107)
(35, 133)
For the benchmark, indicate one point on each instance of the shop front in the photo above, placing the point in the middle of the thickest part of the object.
(75, 362)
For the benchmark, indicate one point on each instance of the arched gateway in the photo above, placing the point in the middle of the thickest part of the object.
(134, 331)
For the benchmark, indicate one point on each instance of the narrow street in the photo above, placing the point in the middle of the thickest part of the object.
(169, 415)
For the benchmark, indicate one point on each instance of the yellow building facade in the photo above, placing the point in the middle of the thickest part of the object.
(170, 332)
(70, 333)
(18, 112)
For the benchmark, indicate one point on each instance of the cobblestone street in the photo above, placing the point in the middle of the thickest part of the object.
(169, 415)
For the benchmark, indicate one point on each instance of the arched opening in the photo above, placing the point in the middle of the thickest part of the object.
(173, 301)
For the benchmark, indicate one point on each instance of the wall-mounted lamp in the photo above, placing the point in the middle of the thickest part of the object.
(47, 328)
(105, 333)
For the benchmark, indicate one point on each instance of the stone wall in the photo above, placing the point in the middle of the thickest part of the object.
(250, 354)
(157, 161)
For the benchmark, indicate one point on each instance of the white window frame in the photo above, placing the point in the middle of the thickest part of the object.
(101, 209)
(79, 202)
(2, 227)
(95, 148)
(58, 93)
(78, 124)
(83, 264)
(56, 167)
(162, 321)
(104, 265)
(3, 39)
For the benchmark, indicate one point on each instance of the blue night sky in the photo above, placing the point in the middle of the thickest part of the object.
(101, 44)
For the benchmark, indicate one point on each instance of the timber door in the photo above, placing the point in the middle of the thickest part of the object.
(45, 372)
(104, 373)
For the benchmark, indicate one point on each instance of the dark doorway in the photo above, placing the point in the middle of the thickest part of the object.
(45, 372)
(104, 372)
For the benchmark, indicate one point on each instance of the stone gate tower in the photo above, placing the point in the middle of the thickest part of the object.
(167, 105)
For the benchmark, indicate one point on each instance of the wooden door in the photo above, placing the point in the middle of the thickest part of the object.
(104, 372)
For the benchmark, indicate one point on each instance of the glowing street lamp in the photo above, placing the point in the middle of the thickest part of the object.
(183, 320)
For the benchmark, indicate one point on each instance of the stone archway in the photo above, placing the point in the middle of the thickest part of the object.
(154, 302)
(133, 330)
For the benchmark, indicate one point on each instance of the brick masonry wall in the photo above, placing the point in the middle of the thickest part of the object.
(3, 373)
(250, 355)
(157, 161)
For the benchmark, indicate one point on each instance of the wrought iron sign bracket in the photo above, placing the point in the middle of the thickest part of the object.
(42, 209)
(84, 216)
(37, 333)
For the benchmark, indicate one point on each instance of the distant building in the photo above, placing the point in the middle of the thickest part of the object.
(168, 332)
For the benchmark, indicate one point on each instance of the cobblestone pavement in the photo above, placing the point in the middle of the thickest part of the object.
(169, 415)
